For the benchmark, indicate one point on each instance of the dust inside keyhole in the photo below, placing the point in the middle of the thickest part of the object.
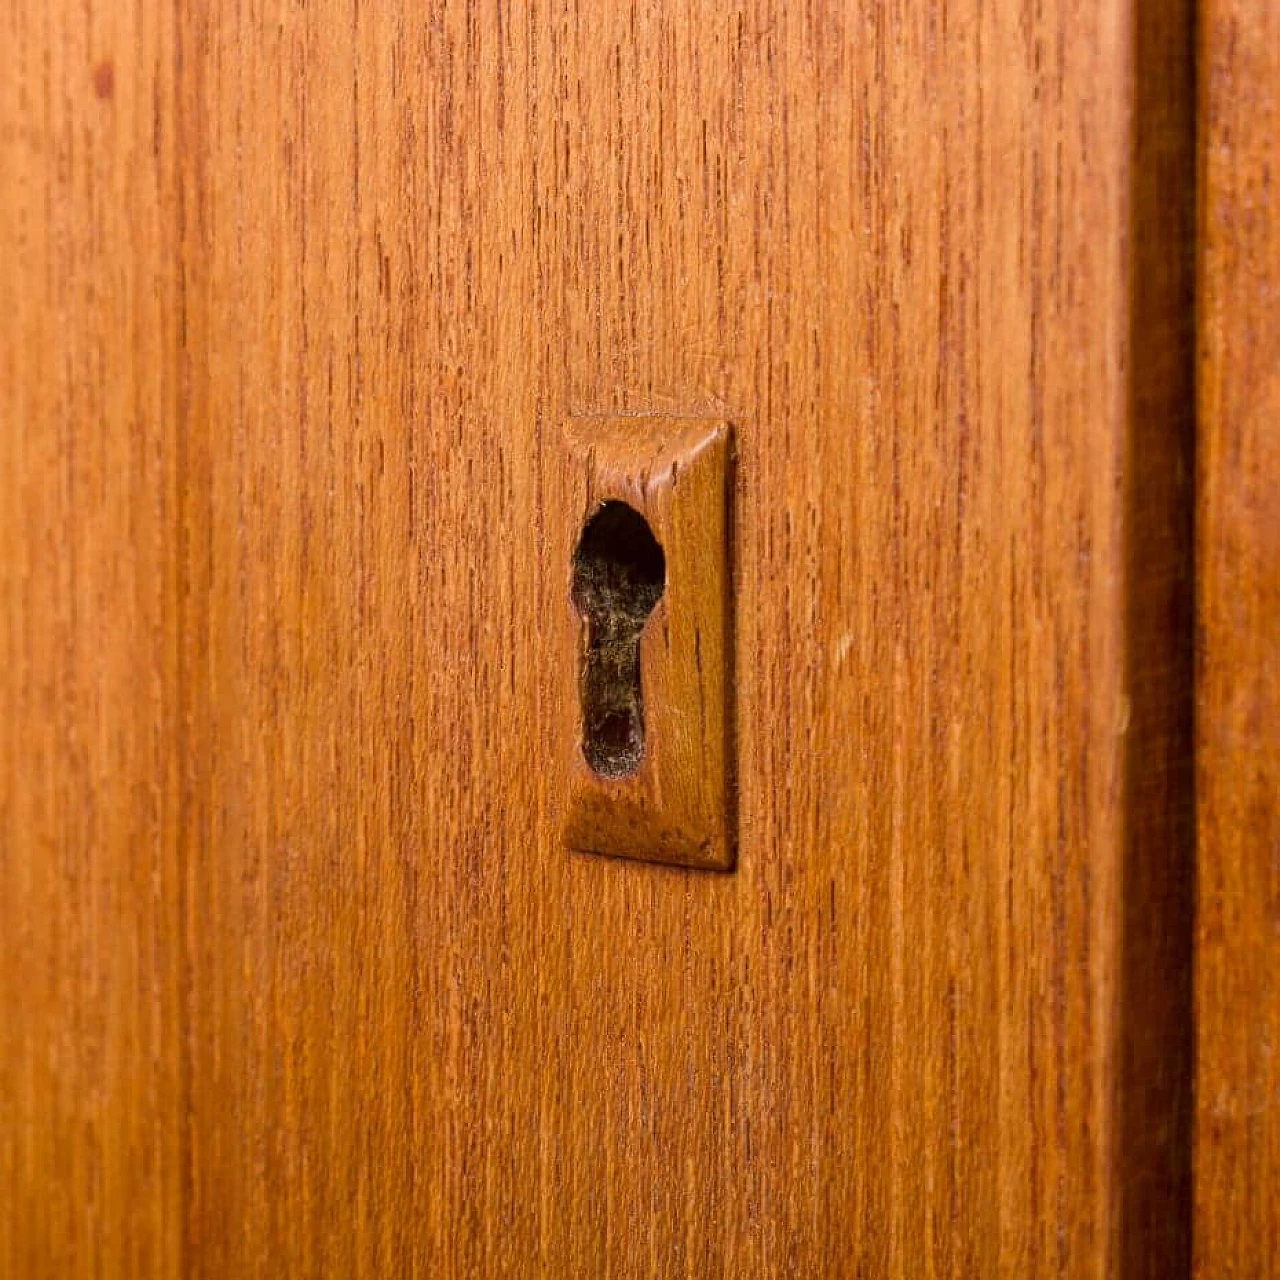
(619, 572)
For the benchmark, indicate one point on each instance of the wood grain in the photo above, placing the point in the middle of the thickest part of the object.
(296, 300)
(90, 921)
(1237, 1223)
(898, 248)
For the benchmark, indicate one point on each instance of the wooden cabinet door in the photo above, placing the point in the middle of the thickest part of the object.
(1237, 1223)
(298, 302)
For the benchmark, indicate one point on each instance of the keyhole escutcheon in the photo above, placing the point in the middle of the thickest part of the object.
(619, 572)
(643, 675)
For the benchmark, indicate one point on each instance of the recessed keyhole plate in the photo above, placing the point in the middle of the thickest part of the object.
(646, 723)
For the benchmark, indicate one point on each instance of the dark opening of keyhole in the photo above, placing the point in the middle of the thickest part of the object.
(618, 575)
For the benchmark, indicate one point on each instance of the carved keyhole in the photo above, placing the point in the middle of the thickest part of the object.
(618, 575)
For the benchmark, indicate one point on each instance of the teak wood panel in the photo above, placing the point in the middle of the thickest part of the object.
(91, 1077)
(930, 266)
(895, 252)
(1237, 1223)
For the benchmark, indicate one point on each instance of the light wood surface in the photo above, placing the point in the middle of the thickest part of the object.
(895, 251)
(931, 264)
(1237, 1225)
(90, 739)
